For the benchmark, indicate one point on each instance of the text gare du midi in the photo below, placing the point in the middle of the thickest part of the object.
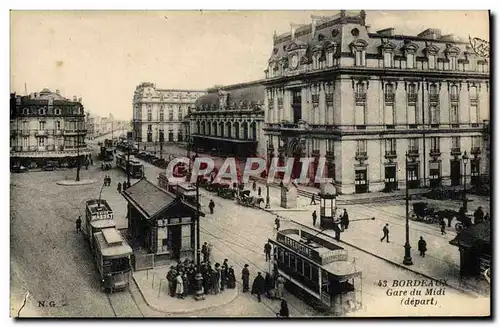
(398, 288)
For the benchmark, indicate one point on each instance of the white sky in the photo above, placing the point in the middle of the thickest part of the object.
(102, 55)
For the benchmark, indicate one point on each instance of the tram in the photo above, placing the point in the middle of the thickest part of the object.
(112, 256)
(136, 169)
(185, 190)
(318, 270)
(110, 251)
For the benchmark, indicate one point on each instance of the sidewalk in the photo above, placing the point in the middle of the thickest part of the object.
(442, 260)
(153, 286)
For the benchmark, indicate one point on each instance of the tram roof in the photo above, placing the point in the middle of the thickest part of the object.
(112, 244)
(96, 205)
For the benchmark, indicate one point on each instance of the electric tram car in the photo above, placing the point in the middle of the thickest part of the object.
(136, 169)
(111, 252)
(185, 190)
(317, 270)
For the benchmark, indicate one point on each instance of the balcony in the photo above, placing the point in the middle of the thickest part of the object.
(360, 97)
(315, 98)
(389, 97)
(390, 154)
(434, 97)
(361, 155)
(456, 151)
(413, 153)
(330, 155)
(41, 132)
(454, 97)
(475, 150)
(435, 152)
(412, 97)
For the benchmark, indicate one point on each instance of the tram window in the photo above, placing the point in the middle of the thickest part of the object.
(116, 265)
(300, 269)
(325, 277)
(281, 255)
(287, 258)
(314, 273)
(307, 270)
(292, 262)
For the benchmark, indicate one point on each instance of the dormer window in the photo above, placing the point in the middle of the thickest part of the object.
(360, 58)
(410, 61)
(432, 61)
(409, 50)
(358, 50)
(388, 59)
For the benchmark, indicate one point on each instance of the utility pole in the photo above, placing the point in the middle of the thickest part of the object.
(198, 278)
(78, 157)
(407, 261)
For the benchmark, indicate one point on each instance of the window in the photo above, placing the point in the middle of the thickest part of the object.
(361, 147)
(454, 113)
(300, 266)
(390, 146)
(413, 146)
(360, 89)
(432, 62)
(58, 125)
(410, 61)
(434, 114)
(150, 114)
(435, 144)
(150, 128)
(473, 92)
(388, 60)
(26, 141)
(360, 58)
(476, 142)
(473, 114)
(41, 141)
(25, 125)
(455, 143)
(330, 146)
(42, 125)
(170, 114)
(58, 111)
(433, 89)
(162, 114)
(454, 93)
(453, 63)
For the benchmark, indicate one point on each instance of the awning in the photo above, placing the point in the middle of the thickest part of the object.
(224, 139)
(50, 154)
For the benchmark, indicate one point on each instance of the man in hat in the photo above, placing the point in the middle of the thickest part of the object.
(259, 286)
(385, 230)
(245, 276)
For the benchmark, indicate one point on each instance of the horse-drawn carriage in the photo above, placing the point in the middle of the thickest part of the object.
(246, 200)
(106, 166)
(427, 214)
(226, 192)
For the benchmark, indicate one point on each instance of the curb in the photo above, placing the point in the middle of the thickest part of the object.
(183, 310)
(462, 290)
(74, 183)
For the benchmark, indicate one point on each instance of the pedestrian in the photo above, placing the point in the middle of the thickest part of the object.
(217, 279)
(185, 284)
(345, 219)
(179, 287)
(277, 223)
(225, 268)
(78, 224)
(259, 191)
(478, 216)
(284, 312)
(211, 206)
(486, 217)
(461, 216)
(254, 186)
(259, 286)
(119, 187)
(422, 246)
(315, 216)
(443, 227)
(313, 199)
(386, 233)
(336, 229)
(269, 285)
(204, 251)
(267, 251)
(231, 278)
(245, 276)
(280, 286)
(109, 180)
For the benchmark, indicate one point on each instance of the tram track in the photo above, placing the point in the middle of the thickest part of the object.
(120, 303)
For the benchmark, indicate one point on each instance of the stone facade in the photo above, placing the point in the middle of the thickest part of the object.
(362, 100)
(158, 113)
(46, 126)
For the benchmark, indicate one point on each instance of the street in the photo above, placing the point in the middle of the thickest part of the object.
(53, 263)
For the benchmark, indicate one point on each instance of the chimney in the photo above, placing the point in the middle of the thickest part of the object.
(430, 33)
(74, 98)
(386, 31)
(58, 92)
(80, 100)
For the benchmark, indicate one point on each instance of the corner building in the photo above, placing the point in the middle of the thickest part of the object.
(159, 113)
(362, 100)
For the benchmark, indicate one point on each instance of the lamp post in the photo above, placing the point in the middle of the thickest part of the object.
(128, 165)
(407, 261)
(465, 158)
(268, 204)
(77, 158)
(198, 277)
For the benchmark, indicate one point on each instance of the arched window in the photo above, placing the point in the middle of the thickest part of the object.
(221, 129)
(229, 130)
(245, 130)
(236, 130)
(254, 130)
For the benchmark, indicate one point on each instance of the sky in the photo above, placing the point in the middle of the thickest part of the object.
(101, 56)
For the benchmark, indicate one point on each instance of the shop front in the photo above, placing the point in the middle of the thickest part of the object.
(391, 182)
(361, 180)
(434, 173)
(413, 175)
(455, 172)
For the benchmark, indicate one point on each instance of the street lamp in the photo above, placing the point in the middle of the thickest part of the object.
(198, 277)
(268, 205)
(465, 158)
(407, 261)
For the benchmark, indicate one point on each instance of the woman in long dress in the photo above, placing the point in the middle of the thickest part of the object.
(179, 290)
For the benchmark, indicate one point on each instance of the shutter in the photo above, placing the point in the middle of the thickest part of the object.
(186, 237)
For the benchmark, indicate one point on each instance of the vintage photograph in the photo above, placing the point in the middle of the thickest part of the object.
(250, 164)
